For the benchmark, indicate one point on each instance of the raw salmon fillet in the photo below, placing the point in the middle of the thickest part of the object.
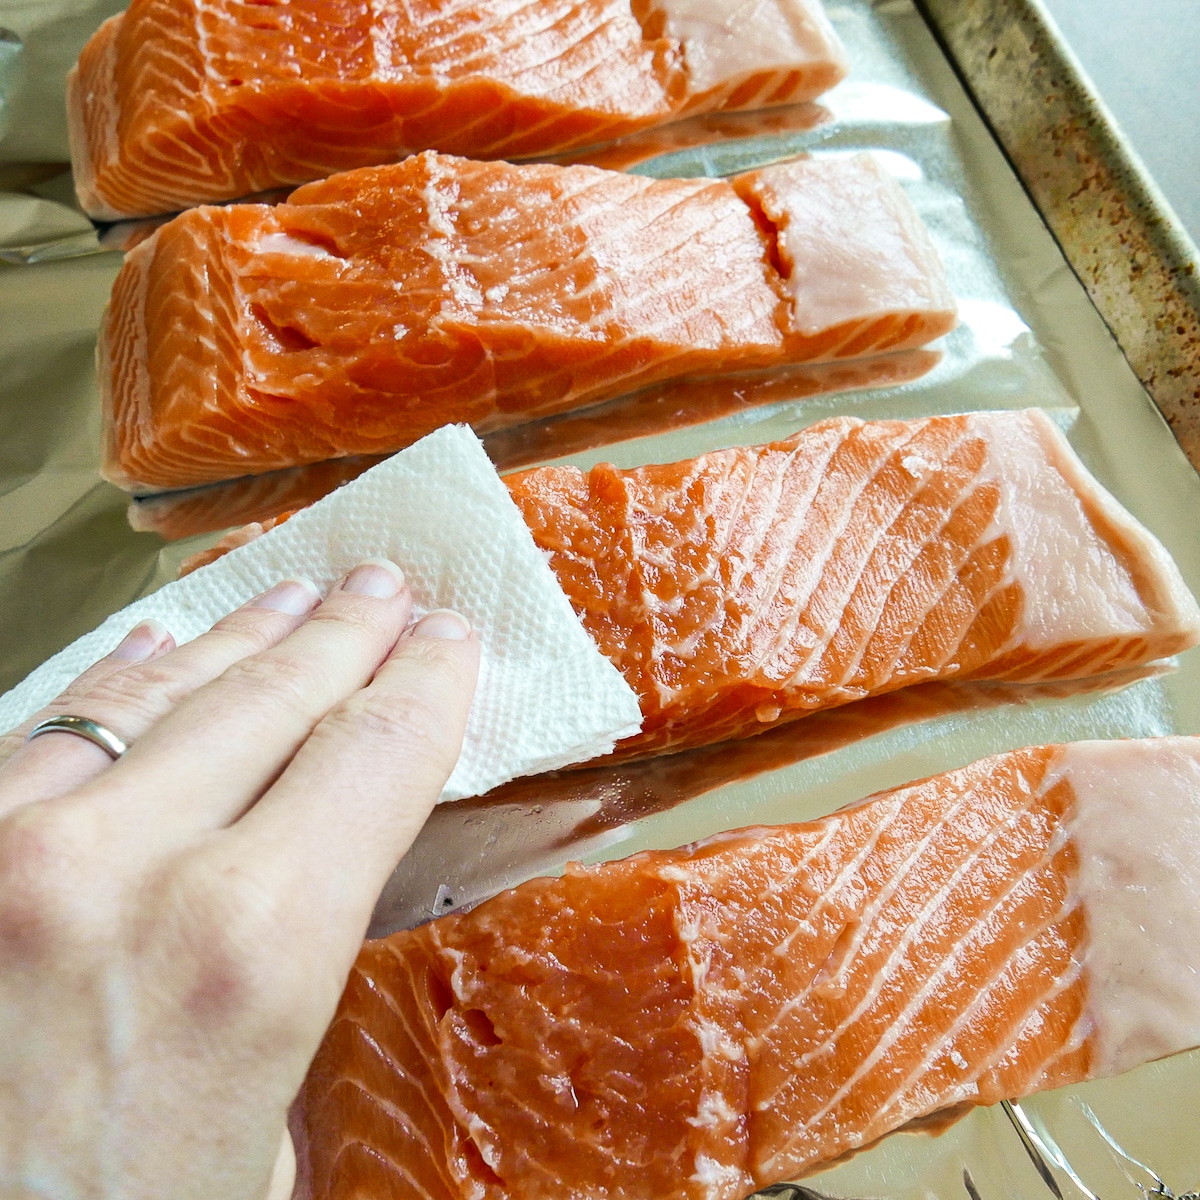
(178, 102)
(760, 583)
(694, 1024)
(675, 405)
(756, 585)
(380, 304)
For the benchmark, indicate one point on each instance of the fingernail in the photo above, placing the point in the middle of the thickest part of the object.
(443, 623)
(376, 577)
(293, 596)
(142, 641)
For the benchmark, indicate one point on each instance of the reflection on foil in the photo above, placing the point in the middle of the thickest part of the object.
(184, 514)
(1047, 1155)
(791, 1191)
(1042, 1151)
(1140, 1175)
(680, 404)
(10, 56)
(471, 849)
(39, 219)
(705, 130)
(656, 410)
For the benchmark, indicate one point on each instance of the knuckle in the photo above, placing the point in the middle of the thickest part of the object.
(143, 693)
(402, 720)
(282, 680)
(360, 613)
(46, 905)
(240, 969)
(447, 668)
(249, 630)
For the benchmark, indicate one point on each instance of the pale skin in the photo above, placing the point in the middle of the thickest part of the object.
(176, 928)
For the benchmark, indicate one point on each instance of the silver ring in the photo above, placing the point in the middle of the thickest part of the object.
(82, 727)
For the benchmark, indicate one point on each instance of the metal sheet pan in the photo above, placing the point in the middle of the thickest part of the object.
(1030, 335)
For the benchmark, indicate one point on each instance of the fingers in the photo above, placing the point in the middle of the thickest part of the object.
(133, 688)
(215, 753)
(141, 644)
(283, 1175)
(334, 826)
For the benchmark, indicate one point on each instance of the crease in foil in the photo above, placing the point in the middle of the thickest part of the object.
(1029, 336)
(10, 63)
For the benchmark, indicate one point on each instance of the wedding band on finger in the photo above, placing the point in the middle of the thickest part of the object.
(84, 727)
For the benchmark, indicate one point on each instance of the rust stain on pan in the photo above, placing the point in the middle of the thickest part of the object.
(1118, 232)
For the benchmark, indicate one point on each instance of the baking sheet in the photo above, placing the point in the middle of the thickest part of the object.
(68, 557)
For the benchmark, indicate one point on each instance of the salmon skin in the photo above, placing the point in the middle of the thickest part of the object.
(380, 304)
(695, 1024)
(752, 586)
(177, 102)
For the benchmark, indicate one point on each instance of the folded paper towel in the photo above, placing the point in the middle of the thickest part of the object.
(547, 697)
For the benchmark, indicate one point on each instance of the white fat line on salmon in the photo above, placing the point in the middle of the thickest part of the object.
(1079, 1030)
(401, 1117)
(382, 15)
(1034, 1022)
(814, 567)
(779, 883)
(284, 243)
(863, 927)
(808, 925)
(784, 567)
(441, 192)
(900, 1024)
(983, 995)
(914, 551)
(863, 553)
(711, 1173)
(934, 669)
(864, 921)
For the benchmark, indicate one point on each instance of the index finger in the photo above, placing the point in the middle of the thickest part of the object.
(332, 828)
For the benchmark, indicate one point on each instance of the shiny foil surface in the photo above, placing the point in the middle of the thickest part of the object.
(74, 550)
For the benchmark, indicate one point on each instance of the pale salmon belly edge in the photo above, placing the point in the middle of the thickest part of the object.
(176, 102)
(377, 305)
(695, 1024)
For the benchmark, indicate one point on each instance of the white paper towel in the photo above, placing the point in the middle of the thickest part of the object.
(547, 697)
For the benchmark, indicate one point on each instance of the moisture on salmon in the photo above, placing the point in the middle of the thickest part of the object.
(755, 585)
(760, 583)
(694, 1024)
(178, 102)
(380, 304)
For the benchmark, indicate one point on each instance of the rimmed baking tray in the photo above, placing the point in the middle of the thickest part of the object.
(953, 98)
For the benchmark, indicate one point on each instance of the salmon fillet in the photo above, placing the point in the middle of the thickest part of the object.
(178, 102)
(755, 585)
(694, 1024)
(675, 405)
(379, 304)
(760, 583)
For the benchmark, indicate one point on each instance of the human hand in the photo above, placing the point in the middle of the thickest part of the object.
(176, 927)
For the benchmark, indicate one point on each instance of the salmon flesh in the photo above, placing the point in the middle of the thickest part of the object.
(178, 102)
(751, 586)
(698, 1023)
(377, 305)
